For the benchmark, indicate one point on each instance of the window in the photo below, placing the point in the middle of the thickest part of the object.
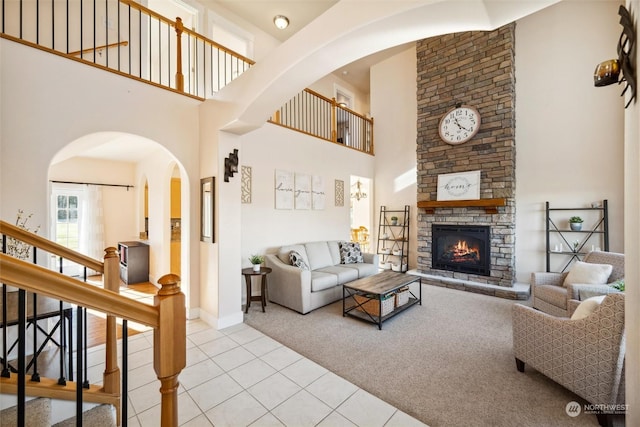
(66, 214)
(67, 225)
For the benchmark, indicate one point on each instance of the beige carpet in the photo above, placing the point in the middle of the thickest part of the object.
(448, 362)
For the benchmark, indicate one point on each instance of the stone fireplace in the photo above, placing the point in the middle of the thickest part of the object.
(461, 248)
(473, 68)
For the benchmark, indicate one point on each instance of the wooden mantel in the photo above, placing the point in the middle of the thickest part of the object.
(490, 205)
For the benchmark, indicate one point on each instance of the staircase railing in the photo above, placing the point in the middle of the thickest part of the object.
(126, 38)
(316, 115)
(167, 316)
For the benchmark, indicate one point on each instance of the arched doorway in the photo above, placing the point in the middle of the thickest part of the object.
(134, 177)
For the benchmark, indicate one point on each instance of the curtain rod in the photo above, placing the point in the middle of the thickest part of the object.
(94, 183)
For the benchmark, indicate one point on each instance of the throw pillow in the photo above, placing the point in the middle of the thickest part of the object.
(297, 260)
(350, 253)
(587, 307)
(588, 274)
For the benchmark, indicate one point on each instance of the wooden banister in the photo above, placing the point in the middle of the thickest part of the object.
(179, 75)
(169, 345)
(98, 48)
(39, 280)
(111, 375)
(49, 246)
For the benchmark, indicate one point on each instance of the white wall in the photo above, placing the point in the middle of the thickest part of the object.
(569, 134)
(394, 104)
(632, 242)
(264, 228)
(42, 112)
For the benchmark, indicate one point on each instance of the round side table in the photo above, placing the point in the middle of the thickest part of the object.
(248, 273)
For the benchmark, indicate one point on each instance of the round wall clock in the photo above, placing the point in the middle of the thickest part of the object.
(459, 125)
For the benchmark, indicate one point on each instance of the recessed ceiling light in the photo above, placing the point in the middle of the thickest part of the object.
(281, 21)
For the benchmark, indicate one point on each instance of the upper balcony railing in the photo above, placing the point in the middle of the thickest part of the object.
(311, 113)
(127, 38)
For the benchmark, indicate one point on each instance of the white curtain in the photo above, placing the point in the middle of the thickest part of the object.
(91, 234)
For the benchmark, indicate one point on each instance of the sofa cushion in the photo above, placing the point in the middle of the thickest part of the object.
(285, 251)
(344, 274)
(552, 294)
(334, 249)
(297, 260)
(318, 255)
(587, 307)
(321, 281)
(350, 253)
(364, 269)
(588, 274)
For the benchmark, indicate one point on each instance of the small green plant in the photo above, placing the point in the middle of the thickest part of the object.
(394, 218)
(256, 259)
(619, 285)
(576, 219)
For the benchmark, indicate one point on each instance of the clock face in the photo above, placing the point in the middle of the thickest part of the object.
(459, 125)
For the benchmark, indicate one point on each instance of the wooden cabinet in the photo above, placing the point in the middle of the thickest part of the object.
(134, 262)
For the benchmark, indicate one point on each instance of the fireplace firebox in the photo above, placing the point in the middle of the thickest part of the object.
(461, 248)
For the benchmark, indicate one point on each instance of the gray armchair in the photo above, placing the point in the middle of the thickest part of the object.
(585, 356)
(550, 295)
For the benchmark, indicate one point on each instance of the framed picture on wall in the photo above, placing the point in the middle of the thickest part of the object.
(284, 189)
(459, 186)
(207, 204)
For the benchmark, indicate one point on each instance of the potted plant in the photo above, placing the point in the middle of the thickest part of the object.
(618, 285)
(575, 222)
(256, 260)
(394, 220)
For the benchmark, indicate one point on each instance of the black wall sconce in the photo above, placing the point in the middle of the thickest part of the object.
(230, 165)
(620, 70)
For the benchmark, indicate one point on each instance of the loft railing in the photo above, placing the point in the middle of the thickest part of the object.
(129, 39)
(313, 114)
(126, 38)
(167, 316)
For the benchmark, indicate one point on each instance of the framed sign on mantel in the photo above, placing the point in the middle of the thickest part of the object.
(459, 186)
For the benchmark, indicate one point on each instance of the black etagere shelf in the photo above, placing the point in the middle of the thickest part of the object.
(393, 238)
(596, 235)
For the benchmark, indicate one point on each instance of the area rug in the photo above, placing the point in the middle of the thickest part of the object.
(447, 362)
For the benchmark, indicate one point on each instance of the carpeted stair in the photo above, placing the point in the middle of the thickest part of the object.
(102, 416)
(38, 414)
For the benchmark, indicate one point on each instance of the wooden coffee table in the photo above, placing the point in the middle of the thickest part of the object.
(373, 298)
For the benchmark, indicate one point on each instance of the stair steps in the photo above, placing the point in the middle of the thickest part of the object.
(39, 414)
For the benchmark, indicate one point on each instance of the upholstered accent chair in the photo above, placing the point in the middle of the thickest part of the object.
(551, 295)
(585, 356)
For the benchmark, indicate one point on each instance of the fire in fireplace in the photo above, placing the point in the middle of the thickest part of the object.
(461, 248)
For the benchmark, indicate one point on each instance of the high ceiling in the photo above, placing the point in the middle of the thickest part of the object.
(261, 13)
(300, 13)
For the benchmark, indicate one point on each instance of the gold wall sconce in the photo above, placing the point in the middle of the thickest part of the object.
(230, 165)
(620, 70)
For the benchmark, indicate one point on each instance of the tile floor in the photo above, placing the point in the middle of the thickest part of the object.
(240, 377)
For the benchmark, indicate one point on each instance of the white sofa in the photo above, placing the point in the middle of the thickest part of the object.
(303, 289)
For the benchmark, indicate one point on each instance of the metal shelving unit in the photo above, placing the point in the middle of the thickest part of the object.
(599, 231)
(393, 240)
